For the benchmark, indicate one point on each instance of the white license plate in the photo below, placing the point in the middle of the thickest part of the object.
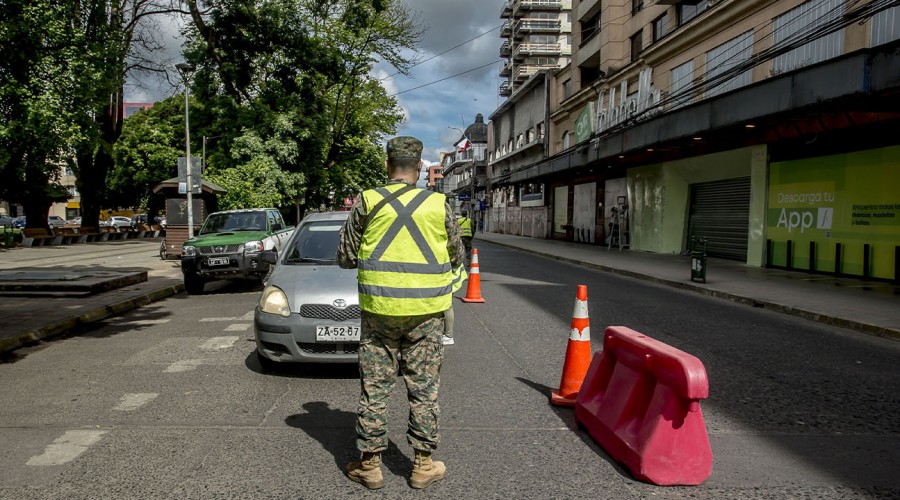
(217, 261)
(337, 333)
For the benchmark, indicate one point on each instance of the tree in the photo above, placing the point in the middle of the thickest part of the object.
(298, 74)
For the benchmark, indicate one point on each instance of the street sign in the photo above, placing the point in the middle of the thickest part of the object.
(463, 196)
(196, 175)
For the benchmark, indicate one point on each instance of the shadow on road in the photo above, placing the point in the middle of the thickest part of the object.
(335, 431)
(304, 370)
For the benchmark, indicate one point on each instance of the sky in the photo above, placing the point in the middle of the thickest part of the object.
(430, 110)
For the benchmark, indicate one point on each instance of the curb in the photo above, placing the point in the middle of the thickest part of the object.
(88, 317)
(870, 329)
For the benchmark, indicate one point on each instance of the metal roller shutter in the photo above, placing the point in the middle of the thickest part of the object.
(720, 212)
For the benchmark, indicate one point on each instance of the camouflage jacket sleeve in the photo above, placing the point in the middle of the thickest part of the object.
(454, 242)
(351, 236)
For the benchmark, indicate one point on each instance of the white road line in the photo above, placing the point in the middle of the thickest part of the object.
(184, 365)
(147, 322)
(247, 317)
(238, 327)
(66, 447)
(130, 402)
(219, 343)
(214, 320)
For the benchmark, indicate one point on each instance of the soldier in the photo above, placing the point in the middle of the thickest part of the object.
(466, 233)
(405, 243)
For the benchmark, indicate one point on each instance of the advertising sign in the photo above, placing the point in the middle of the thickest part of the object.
(851, 199)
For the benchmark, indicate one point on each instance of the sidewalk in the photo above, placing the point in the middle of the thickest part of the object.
(25, 319)
(865, 306)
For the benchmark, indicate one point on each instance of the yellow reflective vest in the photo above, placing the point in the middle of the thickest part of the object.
(404, 267)
(465, 224)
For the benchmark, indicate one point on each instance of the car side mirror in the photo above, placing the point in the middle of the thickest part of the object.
(277, 227)
(269, 256)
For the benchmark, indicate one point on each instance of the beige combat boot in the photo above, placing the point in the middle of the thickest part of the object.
(426, 471)
(367, 471)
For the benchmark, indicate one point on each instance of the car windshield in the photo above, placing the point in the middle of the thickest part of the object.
(315, 242)
(238, 221)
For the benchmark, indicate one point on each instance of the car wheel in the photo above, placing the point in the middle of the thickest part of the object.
(193, 284)
(266, 364)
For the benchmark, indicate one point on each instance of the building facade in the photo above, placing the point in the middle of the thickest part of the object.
(762, 126)
(537, 36)
(466, 170)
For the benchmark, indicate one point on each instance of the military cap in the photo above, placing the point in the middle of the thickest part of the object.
(404, 147)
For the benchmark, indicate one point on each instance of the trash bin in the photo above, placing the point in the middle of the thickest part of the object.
(698, 259)
(8, 237)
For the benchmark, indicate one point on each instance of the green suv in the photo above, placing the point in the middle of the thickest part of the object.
(229, 244)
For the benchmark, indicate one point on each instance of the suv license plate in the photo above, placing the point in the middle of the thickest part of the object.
(337, 333)
(217, 261)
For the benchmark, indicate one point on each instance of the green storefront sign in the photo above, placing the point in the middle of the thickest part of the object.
(584, 124)
(848, 199)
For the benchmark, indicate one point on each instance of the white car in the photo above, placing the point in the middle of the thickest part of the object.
(117, 221)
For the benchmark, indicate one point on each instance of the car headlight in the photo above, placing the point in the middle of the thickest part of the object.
(274, 301)
(254, 246)
(188, 251)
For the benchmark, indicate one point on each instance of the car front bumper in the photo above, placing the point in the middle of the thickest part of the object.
(240, 265)
(293, 340)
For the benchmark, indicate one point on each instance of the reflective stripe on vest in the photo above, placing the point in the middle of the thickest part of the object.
(404, 266)
(465, 224)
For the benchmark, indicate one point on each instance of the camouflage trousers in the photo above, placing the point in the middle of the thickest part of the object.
(412, 343)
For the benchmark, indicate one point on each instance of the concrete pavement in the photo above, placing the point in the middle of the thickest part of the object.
(864, 306)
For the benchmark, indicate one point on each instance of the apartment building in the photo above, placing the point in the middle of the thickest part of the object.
(537, 35)
(765, 127)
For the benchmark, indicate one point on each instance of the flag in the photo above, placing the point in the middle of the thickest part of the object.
(463, 144)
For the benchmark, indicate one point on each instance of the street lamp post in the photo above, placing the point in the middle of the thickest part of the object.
(186, 69)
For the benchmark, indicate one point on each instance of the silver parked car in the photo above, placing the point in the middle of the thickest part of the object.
(309, 309)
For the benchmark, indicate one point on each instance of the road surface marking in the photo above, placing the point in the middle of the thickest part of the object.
(247, 317)
(184, 365)
(219, 343)
(147, 322)
(130, 402)
(238, 327)
(66, 447)
(213, 320)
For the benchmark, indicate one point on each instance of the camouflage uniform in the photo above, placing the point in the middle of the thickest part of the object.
(412, 343)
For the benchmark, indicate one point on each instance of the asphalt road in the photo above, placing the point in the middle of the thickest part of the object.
(169, 401)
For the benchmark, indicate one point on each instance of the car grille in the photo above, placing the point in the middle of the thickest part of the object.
(328, 311)
(328, 348)
(213, 250)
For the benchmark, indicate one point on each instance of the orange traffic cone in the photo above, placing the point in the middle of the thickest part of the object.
(578, 354)
(473, 292)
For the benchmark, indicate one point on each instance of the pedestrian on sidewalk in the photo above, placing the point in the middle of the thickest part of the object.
(405, 243)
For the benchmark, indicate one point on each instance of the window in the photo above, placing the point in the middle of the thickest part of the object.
(590, 28)
(566, 139)
(723, 59)
(636, 6)
(567, 89)
(540, 131)
(510, 145)
(687, 12)
(520, 141)
(660, 26)
(682, 81)
(529, 136)
(636, 46)
(589, 75)
(799, 24)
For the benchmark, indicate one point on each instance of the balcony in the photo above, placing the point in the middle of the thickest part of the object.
(524, 50)
(505, 70)
(539, 4)
(504, 50)
(505, 10)
(534, 26)
(524, 72)
(505, 30)
(504, 90)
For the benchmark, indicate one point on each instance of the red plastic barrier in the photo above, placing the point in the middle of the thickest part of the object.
(640, 401)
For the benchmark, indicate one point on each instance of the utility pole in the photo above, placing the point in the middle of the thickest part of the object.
(186, 69)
